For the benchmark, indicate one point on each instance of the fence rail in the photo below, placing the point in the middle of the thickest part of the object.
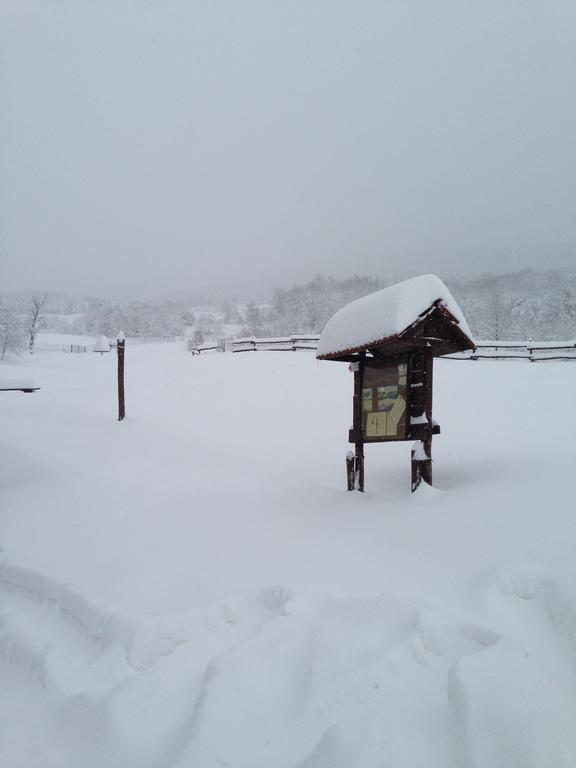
(510, 350)
(278, 344)
(484, 350)
(71, 348)
(41, 346)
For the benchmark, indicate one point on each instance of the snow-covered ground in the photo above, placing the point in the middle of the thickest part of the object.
(194, 588)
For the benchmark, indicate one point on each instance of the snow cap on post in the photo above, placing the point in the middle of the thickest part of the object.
(121, 336)
(102, 345)
(398, 318)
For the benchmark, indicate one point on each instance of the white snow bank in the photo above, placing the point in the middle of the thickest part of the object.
(386, 313)
(6, 384)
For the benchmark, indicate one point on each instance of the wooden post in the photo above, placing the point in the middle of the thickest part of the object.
(120, 345)
(421, 404)
(416, 467)
(427, 464)
(359, 443)
(419, 464)
(350, 470)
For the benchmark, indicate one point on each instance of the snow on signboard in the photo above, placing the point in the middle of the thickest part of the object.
(386, 313)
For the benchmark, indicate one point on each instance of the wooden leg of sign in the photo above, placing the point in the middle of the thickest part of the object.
(427, 468)
(416, 471)
(427, 465)
(421, 463)
(359, 445)
(121, 406)
(360, 466)
(350, 471)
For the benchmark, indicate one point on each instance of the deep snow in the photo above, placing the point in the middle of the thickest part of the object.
(194, 586)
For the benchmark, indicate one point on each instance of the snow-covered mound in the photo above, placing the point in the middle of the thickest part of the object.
(386, 313)
(194, 588)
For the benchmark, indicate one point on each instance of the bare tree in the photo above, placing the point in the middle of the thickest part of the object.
(254, 320)
(498, 320)
(11, 330)
(34, 303)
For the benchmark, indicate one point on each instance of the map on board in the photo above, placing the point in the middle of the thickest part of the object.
(384, 400)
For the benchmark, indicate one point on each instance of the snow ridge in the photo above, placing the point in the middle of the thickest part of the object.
(331, 680)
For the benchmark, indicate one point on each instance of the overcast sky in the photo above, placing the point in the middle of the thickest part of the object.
(170, 146)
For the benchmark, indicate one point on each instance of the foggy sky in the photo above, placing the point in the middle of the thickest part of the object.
(170, 146)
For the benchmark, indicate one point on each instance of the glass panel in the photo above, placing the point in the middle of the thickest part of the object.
(384, 402)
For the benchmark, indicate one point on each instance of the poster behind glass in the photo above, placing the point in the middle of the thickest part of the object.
(384, 402)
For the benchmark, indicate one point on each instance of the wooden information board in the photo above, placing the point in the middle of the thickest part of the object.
(390, 339)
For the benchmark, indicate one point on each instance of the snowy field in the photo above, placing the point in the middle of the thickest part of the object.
(194, 588)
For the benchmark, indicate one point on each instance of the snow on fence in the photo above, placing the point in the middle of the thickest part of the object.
(71, 348)
(484, 350)
(209, 346)
(152, 339)
(519, 350)
(280, 344)
(76, 348)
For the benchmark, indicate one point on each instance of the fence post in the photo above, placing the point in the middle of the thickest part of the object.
(357, 422)
(120, 344)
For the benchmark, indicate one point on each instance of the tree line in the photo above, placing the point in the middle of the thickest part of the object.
(530, 304)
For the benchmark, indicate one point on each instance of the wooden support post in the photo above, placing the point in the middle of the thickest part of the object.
(416, 467)
(427, 465)
(359, 443)
(420, 464)
(350, 470)
(360, 466)
(421, 404)
(120, 345)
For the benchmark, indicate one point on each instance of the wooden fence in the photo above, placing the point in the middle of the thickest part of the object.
(71, 348)
(519, 350)
(485, 350)
(41, 346)
(278, 344)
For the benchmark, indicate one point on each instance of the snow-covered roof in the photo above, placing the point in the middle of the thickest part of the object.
(386, 313)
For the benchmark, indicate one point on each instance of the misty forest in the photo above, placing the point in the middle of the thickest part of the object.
(522, 306)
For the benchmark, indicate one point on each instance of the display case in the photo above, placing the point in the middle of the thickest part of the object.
(385, 401)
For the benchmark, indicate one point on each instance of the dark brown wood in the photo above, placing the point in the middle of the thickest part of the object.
(350, 470)
(354, 436)
(416, 468)
(417, 398)
(357, 426)
(427, 466)
(121, 403)
(422, 425)
(420, 465)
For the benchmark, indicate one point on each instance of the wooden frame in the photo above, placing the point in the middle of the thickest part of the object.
(435, 332)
